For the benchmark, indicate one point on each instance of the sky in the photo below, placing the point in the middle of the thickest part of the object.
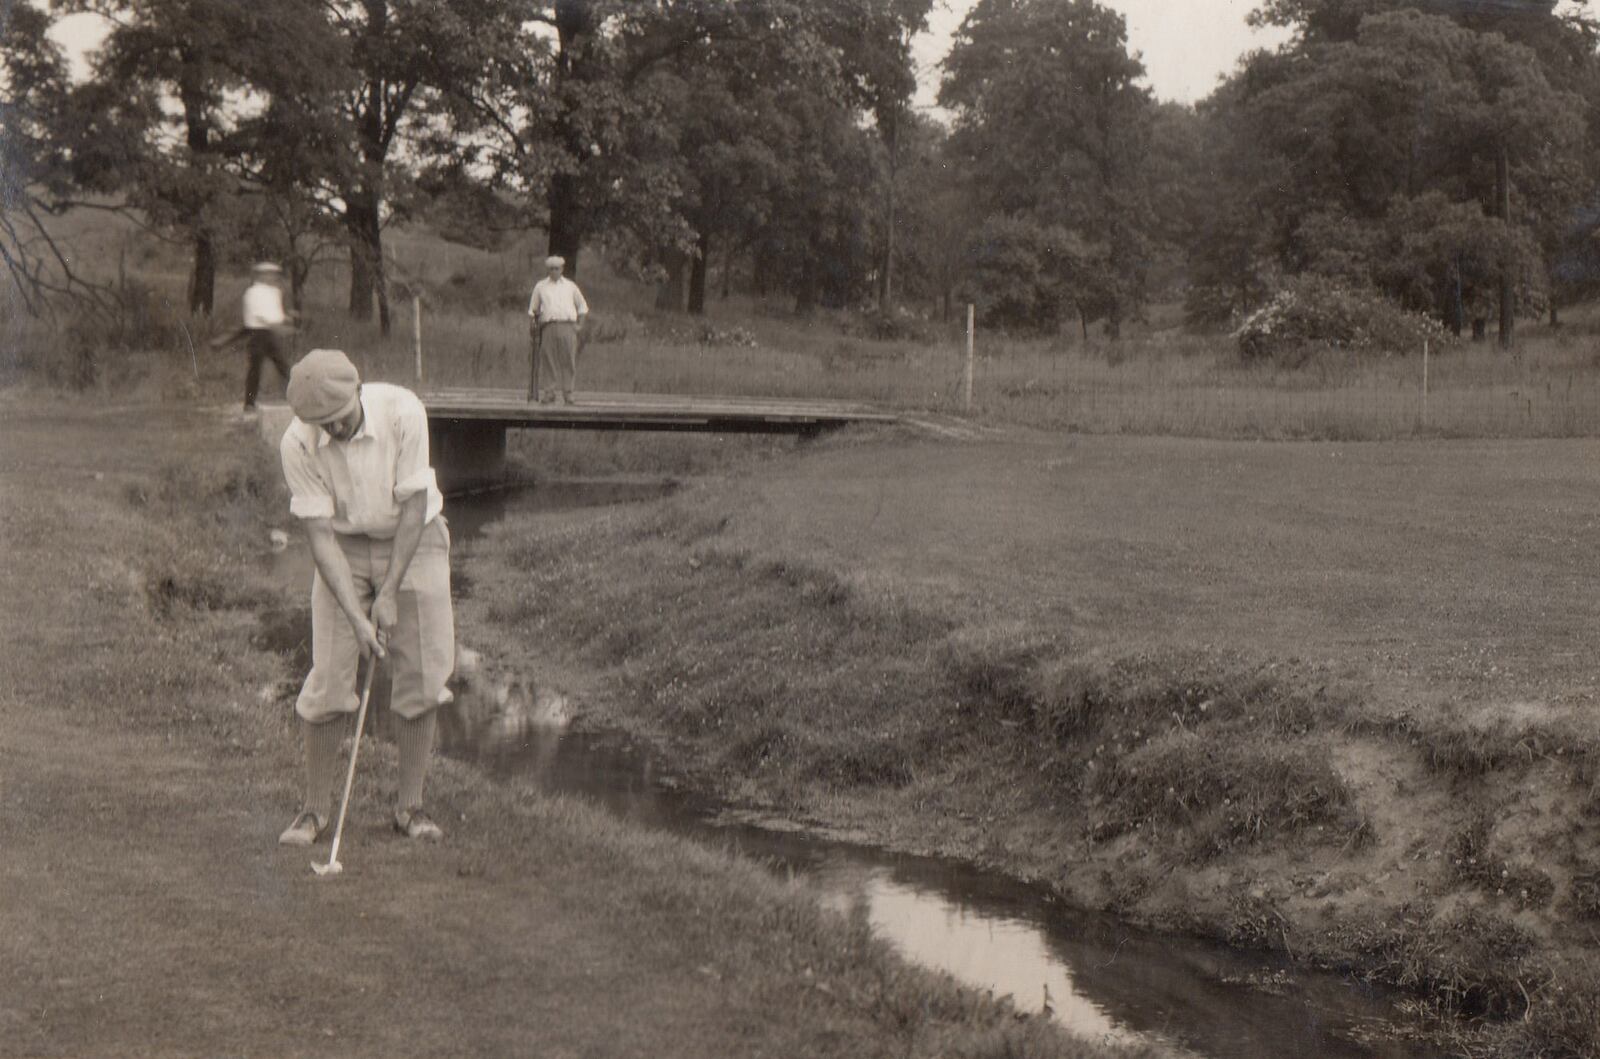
(1186, 44)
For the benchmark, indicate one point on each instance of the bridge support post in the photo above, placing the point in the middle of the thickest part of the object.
(466, 453)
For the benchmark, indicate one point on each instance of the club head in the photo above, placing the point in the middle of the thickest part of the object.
(333, 867)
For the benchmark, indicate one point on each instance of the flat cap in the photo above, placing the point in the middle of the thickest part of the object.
(554, 260)
(323, 385)
(265, 266)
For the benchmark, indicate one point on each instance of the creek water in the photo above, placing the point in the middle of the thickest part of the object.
(1097, 976)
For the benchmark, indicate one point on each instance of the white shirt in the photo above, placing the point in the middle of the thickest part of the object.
(360, 483)
(263, 307)
(557, 300)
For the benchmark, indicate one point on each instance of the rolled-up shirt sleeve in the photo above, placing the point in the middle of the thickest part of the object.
(310, 496)
(412, 472)
(578, 301)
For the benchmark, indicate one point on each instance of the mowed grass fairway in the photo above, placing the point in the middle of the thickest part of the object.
(1443, 575)
(146, 909)
(1330, 698)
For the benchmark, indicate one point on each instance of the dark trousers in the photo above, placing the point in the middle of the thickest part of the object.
(262, 345)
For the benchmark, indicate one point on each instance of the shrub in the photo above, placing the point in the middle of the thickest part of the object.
(1313, 311)
(707, 335)
(1023, 272)
(890, 327)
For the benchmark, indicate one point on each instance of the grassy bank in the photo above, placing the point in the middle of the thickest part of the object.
(1034, 656)
(150, 761)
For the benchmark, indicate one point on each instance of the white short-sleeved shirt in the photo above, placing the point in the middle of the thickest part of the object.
(263, 306)
(361, 483)
(557, 301)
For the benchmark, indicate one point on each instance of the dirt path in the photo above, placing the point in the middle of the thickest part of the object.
(146, 909)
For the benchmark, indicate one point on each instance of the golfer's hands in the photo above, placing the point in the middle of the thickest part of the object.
(369, 638)
(384, 615)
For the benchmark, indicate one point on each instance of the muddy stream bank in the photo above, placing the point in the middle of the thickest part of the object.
(1095, 975)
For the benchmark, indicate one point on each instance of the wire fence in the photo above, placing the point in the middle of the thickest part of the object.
(1166, 382)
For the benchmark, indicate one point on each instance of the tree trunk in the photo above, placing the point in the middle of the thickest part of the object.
(805, 295)
(1555, 315)
(669, 292)
(1508, 290)
(360, 282)
(1480, 329)
(197, 137)
(365, 234)
(203, 280)
(697, 277)
(566, 227)
(886, 289)
(299, 271)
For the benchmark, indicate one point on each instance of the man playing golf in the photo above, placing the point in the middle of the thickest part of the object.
(356, 460)
(262, 317)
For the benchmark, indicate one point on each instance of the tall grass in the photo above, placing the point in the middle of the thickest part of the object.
(1158, 379)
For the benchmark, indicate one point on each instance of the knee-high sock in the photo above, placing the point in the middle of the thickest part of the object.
(415, 739)
(322, 764)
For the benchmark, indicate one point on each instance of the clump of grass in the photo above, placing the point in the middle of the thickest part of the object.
(1586, 894)
(1472, 963)
(1473, 862)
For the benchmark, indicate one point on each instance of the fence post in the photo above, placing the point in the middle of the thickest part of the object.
(1424, 382)
(971, 321)
(416, 333)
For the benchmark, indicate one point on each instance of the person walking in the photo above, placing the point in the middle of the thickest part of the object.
(262, 318)
(556, 315)
(356, 461)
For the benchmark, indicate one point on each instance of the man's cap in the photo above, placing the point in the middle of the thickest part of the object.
(265, 266)
(323, 386)
(554, 261)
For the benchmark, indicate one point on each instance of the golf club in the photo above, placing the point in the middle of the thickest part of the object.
(333, 867)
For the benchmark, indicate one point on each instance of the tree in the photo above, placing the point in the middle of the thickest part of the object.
(1559, 50)
(1050, 117)
(166, 160)
(410, 59)
(1354, 130)
(34, 163)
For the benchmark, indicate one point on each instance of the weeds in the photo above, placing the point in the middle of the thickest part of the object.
(1474, 863)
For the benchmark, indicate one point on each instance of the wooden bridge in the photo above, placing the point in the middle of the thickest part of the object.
(467, 427)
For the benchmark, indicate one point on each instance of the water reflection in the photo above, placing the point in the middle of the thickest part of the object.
(1096, 976)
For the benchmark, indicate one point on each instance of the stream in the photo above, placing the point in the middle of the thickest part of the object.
(1101, 978)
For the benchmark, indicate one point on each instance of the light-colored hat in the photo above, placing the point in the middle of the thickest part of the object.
(265, 266)
(323, 386)
(554, 261)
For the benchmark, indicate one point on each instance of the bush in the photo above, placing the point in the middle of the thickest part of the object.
(890, 327)
(706, 334)
(1314, 311)
(484, 285)
(1022, 273)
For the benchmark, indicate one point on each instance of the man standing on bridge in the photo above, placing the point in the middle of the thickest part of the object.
(356, 460)
(556, 314)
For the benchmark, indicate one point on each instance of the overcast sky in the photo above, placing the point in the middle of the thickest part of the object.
(1186, 44)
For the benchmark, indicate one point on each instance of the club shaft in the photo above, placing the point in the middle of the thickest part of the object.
(355, 748)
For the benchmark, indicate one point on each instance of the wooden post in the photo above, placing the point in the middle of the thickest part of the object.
(971, 321)
(1424, 382)
(416, 333)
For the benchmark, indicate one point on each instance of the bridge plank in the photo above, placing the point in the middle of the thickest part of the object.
(629, 411)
